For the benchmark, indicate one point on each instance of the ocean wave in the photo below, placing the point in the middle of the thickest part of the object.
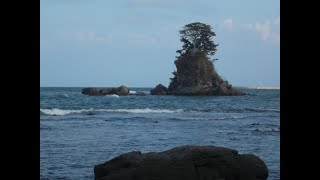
(275, 110)
(132, 92)
(146, 110)
(236, 110)
(259, 109)
(62, 112)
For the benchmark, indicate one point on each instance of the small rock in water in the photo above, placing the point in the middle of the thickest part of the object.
(155, 122)
(141, 94)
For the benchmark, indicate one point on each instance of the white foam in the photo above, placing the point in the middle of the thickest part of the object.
(113, 95)
(62, 112)
(275, 110)
(132, 92)
(146, 110)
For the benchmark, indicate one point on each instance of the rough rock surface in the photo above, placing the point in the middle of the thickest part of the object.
(196, 75)
(184, 163)
(120, 91)
(159, 90)
(105, 91)
(90, 92)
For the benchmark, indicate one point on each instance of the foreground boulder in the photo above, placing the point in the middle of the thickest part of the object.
(120, 91)
(159, 90)
(184, 163)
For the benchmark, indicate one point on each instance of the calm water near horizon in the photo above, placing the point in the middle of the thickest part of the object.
(78, 131)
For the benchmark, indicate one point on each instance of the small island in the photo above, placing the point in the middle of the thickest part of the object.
(196, 75)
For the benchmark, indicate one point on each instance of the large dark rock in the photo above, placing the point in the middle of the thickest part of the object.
(196, 75)
(105, 91)
(184, 163)
(159, 90)
(120, 91)
(90, 92)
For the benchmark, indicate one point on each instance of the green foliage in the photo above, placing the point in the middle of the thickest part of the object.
(197, 36)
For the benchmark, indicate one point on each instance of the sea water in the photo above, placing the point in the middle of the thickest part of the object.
(78, 131)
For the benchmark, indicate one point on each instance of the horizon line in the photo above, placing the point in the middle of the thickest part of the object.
(245, 87)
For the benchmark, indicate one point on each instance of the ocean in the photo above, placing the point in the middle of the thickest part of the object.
(78, 131)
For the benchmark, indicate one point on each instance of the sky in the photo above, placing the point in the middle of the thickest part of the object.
(99, 43)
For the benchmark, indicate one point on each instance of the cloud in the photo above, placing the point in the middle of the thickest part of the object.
(268, 31)
(227, 23)
(263, 29)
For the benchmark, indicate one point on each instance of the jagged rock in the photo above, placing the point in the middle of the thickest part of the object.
(184, 163)
(196, 75)
(159, 90)
(90, 92)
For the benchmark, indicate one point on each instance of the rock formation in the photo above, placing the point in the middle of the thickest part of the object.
(184, 163)
(196, 75)
(90, 91)
(159, 90)
(120, 91)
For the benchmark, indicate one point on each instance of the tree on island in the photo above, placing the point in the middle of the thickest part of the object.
(197, 37)
(195, 73)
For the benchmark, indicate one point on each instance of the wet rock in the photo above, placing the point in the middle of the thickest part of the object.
(105, 91)
(120, 91)
(184, 163)
(159, 90)
(90, 92)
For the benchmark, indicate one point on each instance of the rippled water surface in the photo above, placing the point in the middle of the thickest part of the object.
(77, 131)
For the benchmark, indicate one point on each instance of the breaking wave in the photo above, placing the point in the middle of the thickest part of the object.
(62, 112)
